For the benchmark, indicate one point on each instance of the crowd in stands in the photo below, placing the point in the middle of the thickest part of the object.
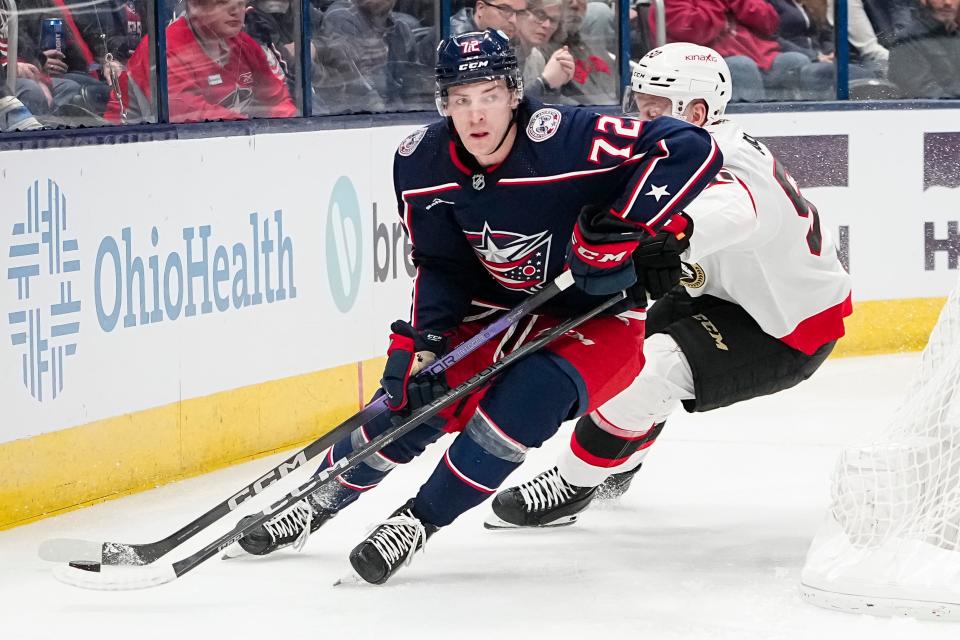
(236, 59)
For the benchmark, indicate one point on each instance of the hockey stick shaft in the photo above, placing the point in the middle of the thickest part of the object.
(115, 553)
(423, 414)
(92, 576)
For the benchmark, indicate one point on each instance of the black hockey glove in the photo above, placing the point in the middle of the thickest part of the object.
(410, 351)
(657, 259)
(600, 252)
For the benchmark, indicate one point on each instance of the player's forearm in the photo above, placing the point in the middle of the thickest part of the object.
(680, 161)
(440, 300)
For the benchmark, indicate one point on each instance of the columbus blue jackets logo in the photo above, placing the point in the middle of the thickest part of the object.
(543, 124)
(410, 143)
(517, 261)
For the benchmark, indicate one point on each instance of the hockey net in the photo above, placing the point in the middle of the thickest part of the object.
(891, 541)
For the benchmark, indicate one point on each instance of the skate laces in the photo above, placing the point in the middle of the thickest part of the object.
(399, 537)
(545, 491)
(295, 522)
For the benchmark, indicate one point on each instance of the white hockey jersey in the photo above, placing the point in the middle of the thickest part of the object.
(759, 243)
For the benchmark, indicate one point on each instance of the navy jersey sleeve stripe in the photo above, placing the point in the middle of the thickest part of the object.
(699, 181)
(681, 160)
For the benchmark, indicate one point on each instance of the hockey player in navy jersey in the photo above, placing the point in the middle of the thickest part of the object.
(498, 199)
(762, 304)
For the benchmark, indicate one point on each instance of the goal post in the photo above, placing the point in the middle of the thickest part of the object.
(890, 544)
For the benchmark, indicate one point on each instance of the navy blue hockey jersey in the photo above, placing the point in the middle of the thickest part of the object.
(497, 234)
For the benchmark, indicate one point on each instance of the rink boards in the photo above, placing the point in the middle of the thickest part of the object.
(172, 307)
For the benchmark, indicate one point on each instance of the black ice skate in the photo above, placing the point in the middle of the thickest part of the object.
(391, 545)
(290, 528)
(546, 501)
(616, 485)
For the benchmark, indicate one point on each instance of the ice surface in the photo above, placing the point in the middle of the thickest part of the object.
(708, 543)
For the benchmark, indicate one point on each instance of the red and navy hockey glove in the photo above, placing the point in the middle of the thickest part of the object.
(410, 351)
(601, 250)
(657, 259)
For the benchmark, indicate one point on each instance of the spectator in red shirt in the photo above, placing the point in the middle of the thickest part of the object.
(215, 71)
(743, 32)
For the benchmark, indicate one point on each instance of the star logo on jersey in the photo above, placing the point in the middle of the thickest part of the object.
(517, 261)
(657, 192)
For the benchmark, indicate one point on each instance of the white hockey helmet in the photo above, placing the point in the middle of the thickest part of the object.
(682, 72)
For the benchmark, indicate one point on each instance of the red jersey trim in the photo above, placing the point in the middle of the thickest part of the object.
(817, 330)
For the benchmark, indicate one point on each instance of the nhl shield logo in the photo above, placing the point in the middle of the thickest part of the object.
(411, 142)
(543, 124)
(518, 262)
(479, 182)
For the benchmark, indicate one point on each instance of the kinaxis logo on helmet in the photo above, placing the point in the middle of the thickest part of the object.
(44, 263)
(344, 244)
(697, 57)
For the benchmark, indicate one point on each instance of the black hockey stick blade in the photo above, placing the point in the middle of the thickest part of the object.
(122, 554)
(90, 575)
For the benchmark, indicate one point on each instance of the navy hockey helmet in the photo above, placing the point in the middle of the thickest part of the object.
(475, 57)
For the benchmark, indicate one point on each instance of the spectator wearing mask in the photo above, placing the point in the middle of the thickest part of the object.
(542, 78)
(926, 64)
(215, 71)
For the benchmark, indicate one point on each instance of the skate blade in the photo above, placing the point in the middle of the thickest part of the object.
(494, 523)
(233, 551)
(350, 579)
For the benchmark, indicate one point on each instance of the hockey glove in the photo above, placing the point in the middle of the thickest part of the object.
(600, 252)
(410, 351)
(657, 259)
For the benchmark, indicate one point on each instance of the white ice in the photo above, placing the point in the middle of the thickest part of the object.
(707, 544)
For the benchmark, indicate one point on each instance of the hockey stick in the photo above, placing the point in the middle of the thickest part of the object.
(92, 575)
(118, 553)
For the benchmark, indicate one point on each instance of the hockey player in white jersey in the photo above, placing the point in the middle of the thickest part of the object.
(761, 306)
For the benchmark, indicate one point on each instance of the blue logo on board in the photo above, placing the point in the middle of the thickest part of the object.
(344, 244)
(44, 266)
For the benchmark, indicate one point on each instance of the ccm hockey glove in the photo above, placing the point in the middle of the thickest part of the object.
(657, 259)
(410, 351)
(600, 252)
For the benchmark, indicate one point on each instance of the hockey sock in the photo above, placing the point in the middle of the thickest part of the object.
(467, 475)
(595, 453)
(522, 410)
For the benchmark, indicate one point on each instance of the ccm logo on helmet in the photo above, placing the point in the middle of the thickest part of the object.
(478, 64)
(697, 57)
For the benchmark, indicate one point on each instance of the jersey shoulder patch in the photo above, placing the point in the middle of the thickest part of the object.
(543, 124)
(411, 142)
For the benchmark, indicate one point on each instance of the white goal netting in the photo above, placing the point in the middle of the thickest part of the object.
(891, 542)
